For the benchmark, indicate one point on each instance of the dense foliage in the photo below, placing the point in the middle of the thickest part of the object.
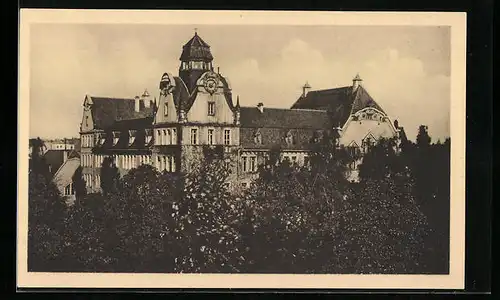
(292, 219)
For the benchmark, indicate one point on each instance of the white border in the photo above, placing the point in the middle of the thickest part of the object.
(455, 280)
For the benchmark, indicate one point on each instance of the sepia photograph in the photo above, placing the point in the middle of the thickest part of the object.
(254, 151)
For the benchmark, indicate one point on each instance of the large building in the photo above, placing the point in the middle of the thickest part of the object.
(196, 115)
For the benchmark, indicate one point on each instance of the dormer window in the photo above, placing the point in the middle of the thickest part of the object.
(258, 137)
(289, 138)
(149, 136)
(116, 137)
(101, 139)
(131, 136)
(317, 136)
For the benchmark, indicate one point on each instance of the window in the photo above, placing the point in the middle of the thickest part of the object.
(210, 136)
(68, 190)
(306, 160)
(169, 137)
(174, 136)
(227, 137)
(244, 161)
(244, 184)
(164, 137)
(86, 121)
(166, 108)
(194, 136)
(294, 159)
(253, 167)
(170, 164)
(211, 108)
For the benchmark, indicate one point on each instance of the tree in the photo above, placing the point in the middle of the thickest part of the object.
(110, 176)
(381, 161)
(382, 229)
(205, 238)
(46, 214)
(79, 184)
(423, 138)
(288, 219)
(37, 162)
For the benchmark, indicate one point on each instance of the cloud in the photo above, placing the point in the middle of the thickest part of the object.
(398, 83)
(68, 62)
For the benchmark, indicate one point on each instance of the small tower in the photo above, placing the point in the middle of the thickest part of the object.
(196, 59)
(305, 89)
(356, 82)
(237, 111)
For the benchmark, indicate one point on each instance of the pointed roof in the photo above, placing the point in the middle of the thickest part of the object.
(339, 102)
(357, 78)
(196, 49)
(363, 100)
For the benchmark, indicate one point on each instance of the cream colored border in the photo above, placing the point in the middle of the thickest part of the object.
(455, 280)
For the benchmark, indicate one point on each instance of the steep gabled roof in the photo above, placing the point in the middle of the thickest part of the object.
(105, 111)
(339, 102)
(196, 49)
(363, 100)
(283, 118)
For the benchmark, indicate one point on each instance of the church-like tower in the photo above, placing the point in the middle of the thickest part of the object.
(196, 59)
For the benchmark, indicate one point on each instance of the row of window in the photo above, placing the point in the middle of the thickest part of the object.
(62, 147)
(130, 161)
(165, 163)
(199, 65)
(210, 136)
(121, 161)
(166, 136)
(249, 163)
(86, 160)
(88, 180)
(87, 141)
(68, 190)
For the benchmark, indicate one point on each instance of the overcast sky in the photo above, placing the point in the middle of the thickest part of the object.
(405, 69)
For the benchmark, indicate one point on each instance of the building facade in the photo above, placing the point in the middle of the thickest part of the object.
(196, 115)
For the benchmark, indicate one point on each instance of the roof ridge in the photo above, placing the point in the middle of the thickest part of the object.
(288, 109)
(330, 89)
(110, 98)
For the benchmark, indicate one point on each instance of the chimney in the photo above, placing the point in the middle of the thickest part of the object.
(260, 107)
(146, 98)
(137, 103)
(305, 89)
(218, 70)
(356, 82)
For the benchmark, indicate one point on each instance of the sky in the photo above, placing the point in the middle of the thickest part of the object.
(406, 69)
